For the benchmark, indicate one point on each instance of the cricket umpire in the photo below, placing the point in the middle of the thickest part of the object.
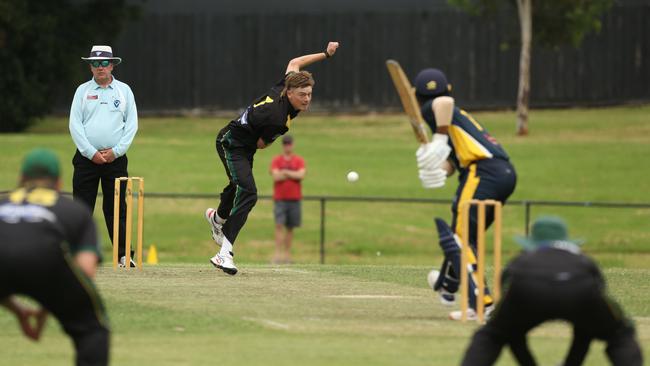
(485, 172)
(49, 251)
(103, 123)
(266, 119)
(550, 280)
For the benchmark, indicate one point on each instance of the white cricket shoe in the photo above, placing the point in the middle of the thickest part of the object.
(123, 261)
(225, 263)
(457, 314)
(217, 234)
(471, 314)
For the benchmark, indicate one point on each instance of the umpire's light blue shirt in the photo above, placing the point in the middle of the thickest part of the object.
(103, 118)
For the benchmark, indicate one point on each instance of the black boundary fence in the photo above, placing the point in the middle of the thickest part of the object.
(205, 59)
(526, 204)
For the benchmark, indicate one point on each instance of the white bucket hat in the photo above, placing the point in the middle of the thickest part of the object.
(102, 53)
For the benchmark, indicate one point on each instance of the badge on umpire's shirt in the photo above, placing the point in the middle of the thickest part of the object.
(116, 103)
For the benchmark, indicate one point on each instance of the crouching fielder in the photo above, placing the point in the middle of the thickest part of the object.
(49, 251)
(553, 280)
(484, 172)
(267, 118)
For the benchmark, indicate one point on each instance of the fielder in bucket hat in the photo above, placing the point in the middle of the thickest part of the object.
(99, 53)
(552, 280)
(548, 231)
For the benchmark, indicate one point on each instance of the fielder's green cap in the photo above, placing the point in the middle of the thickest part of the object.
(547, 230)
(40, 163)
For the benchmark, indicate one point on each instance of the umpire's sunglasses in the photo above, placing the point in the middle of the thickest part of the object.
(98, 63)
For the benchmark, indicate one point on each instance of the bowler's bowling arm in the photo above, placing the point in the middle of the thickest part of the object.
(299, 62)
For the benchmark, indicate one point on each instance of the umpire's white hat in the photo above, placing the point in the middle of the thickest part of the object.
(102, 53)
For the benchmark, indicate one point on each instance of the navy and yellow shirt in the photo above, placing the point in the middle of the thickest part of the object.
(40, 220)
(469, 141)
(268, 117)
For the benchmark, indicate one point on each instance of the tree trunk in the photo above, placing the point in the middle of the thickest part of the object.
(525, 8)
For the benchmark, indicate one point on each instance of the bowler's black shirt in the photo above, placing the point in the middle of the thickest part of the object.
(268, 117)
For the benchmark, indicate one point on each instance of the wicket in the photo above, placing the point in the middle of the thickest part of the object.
(129, 219)
(480, 256)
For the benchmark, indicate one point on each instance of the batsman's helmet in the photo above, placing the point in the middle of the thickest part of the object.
(431, 83)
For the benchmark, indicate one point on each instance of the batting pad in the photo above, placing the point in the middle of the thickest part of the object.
(448, 279)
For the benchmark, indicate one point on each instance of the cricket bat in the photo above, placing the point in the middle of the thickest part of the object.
(409, 102)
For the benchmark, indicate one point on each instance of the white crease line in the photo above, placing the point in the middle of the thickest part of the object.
(371, 297)
(267, 322)
(280, 270)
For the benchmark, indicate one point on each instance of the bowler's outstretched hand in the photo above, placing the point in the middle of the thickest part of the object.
(331, 48)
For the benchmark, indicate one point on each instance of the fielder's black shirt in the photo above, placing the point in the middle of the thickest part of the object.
(268, 117)
(39, 220)
(553, 264)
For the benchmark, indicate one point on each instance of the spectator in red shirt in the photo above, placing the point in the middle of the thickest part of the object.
(287, 170)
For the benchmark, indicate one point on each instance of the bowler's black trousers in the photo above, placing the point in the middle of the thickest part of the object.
(85, 182)
(557, 288)
(240, 195)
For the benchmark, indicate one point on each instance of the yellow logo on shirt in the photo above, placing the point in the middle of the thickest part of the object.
(38, 196)
(265, 101)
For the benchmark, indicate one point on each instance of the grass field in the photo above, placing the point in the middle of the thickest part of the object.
(572, 155)
(184, 313)
(298, 315)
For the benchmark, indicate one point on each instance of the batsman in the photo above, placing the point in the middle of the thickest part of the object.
(459, 143)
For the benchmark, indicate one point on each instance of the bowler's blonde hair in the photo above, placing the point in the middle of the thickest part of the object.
(300, 79)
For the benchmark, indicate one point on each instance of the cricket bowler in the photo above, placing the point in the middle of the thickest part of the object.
(264, 120)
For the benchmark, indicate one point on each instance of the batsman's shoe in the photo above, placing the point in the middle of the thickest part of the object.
(471, 314)
(224, 263)
(217, 234)
(123, 261)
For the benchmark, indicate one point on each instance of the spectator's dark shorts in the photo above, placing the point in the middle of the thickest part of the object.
(287, 213)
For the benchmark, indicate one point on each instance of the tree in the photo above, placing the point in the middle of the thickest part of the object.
(545, 23)
(40, 46)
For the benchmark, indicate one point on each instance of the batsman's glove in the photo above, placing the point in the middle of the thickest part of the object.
(434, 178)
(431, 156)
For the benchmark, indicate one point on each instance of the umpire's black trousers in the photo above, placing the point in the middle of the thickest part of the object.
(85, 182)
(531, 301)
(240, 195)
